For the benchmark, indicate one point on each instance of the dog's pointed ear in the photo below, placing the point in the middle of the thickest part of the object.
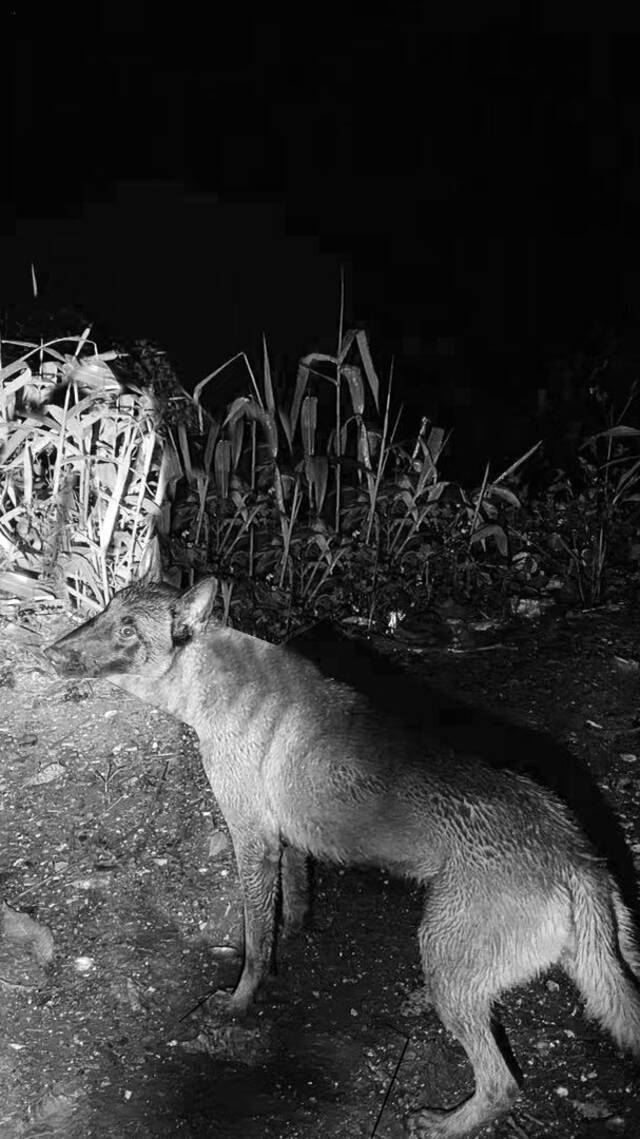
(193, 609)
(150, 568)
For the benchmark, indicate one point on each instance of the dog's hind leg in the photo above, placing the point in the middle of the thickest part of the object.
(496, 1088)
(461, 992)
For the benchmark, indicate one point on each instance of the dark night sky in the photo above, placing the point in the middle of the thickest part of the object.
(196, 176)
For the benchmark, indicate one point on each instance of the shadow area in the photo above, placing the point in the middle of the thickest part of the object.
(498, 740)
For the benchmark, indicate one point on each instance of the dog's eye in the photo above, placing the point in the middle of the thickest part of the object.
(127, 631)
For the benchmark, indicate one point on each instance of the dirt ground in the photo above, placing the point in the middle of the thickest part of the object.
(122, 914)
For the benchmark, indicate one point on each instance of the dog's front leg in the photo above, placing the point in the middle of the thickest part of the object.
(258, 859)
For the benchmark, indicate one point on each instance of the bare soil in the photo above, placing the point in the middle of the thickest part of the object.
(123, 915)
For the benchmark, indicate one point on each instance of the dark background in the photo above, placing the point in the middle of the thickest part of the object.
(198, 176)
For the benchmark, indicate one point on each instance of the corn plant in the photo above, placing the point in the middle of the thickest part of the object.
(98, 458)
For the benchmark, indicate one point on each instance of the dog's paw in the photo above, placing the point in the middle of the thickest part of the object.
(223, 1005)
(429, 1123)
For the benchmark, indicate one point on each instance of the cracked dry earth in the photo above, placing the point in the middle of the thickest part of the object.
(121, 915)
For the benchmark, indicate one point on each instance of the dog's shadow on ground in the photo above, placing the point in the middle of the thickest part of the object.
(472, 730)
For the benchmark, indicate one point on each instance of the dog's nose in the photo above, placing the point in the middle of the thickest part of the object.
(61, 657)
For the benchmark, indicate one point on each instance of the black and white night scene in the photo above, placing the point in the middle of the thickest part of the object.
(319, 571)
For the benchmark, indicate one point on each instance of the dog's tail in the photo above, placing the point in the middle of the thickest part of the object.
(606, 961)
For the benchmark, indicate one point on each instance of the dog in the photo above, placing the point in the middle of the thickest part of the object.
(302, 764)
